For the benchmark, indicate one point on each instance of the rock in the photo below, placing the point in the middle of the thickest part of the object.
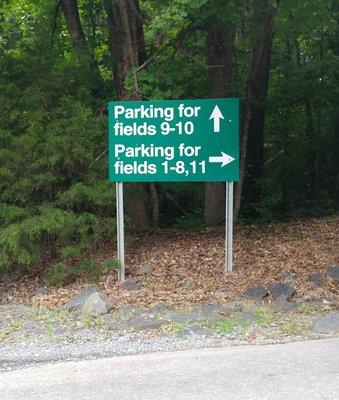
(143, 322)
(128, 310)
(161, 308)
(207, 308)
(131, 284)
(248, 317)
(208, 312)
(76, 302)
(187, 283)
(109, 321)
(282, 290)
(318, 279)
(256, 292)
(8, 279)
(198, 330)
(327, 324)
(316, 302)
(3, 291)
(184, 317)
(282, 304)
(40, 290)
(96, 304)
(288, 278)
(146, 269)
(313, 303)
(333, 272)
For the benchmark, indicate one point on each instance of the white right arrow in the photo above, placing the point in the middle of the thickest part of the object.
(224, 159)
(216, 116)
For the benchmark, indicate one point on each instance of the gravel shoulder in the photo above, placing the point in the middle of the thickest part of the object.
(34, 335)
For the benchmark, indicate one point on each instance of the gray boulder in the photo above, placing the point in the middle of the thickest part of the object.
(282, 290)
(333, 272)
(40, 290)
(313, 303)
(146, 269)
(161, 308)
(327, 324)
(131, 284)
(96, 304)
(144, 322)
(184, 317)
(8, 279)
(128, 310)
(208, 312)
(76, 302)
(287, 278)
(318, 279)
(282, 304)
(248, 318)
(256, 292)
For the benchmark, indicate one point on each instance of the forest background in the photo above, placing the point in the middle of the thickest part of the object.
(61, 61)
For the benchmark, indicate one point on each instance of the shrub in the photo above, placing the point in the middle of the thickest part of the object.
(63, 234)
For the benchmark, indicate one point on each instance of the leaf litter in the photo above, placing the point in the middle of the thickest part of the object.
(262, 255)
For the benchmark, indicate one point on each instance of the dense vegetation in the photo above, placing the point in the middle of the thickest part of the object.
(61, 61)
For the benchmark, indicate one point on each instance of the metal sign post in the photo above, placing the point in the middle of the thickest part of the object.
(174, 141)
(229, 228)
(120, 230)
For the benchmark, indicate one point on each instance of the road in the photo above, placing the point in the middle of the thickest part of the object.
(300, 370)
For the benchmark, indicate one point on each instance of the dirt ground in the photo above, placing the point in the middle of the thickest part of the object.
(262, 255)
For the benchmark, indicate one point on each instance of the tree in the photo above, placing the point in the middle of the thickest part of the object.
(251, 153)
(79, 42)
(127, 47)
(220, 45)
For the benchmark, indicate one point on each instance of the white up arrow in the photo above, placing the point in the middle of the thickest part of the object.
(224, 159)
(216, 116)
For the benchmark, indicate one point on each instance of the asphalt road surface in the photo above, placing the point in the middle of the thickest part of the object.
(300, 370)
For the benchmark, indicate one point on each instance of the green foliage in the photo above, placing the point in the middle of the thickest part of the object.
(110, 265)
(59, 274)
(10, 213)
(56, 206)
(69, 252)
(22, 243)
(227, 326)
(66, 271)
(194, 221)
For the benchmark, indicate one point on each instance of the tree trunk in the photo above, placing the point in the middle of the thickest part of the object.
(122, 26)
(79, 42)
(251, 158)
(220, 45)
(334, 45)
(310, 131)
(155, 204)
(72, 18)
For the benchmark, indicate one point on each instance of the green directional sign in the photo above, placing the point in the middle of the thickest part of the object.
(174, 141)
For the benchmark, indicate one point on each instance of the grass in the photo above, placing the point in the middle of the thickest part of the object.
(178, 327)
(292, 328)
(305, 308)
(49, 327)
(88, 320)
(265, 315)
(227, 326)
(175, 327)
